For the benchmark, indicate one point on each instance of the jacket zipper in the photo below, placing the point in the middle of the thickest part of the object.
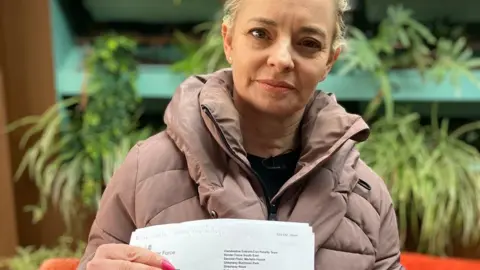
(271, 211)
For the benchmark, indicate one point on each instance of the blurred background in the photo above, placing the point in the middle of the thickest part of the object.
(82, 80)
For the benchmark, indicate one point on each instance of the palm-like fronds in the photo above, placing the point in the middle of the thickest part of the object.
(454, 61)
(432, 178)
(45, 158)
(75, 152)
(204, 56)
(403, 42)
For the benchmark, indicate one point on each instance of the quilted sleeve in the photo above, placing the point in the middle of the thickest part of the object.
(388, 251)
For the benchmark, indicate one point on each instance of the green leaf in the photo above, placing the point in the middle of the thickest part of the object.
(426, 169)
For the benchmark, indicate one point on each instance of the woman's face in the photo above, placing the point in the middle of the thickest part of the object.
(280, 50)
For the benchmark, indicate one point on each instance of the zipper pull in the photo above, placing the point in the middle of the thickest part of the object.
(272, 215)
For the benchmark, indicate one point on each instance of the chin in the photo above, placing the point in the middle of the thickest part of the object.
(278, 110)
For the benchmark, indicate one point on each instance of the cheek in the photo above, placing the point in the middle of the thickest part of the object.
(241, 80)
(248, 61)
(246, 68)
(312, 74)
(241, 74)
(247, 57)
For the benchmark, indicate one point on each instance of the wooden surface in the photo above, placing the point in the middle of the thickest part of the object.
(8, 226)
(28, 89)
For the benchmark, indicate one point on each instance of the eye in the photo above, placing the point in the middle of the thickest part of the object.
(259, 33)
(311, 43)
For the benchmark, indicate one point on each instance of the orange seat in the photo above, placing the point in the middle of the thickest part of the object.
(413, 261)
(60, 264)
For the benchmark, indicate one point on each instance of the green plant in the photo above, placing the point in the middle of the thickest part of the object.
(110, 115)
(82, 140)
(400, 42)
(403, 42)
(205, 55)
(431, 176)
(30, 258)
(429, 171)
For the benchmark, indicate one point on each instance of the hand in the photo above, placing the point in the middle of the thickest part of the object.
(122, 256)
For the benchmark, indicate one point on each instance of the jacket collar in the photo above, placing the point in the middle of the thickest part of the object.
(202, 117)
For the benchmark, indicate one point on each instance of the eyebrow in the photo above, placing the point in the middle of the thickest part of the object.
(313, 30)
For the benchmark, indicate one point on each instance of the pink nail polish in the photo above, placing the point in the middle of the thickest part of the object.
(166, 265)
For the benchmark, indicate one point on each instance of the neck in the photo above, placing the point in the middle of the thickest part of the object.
(265, 135)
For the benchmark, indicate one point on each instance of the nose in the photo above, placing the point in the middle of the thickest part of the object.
(280, 57)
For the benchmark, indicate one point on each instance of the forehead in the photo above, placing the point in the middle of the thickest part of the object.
(291, 13)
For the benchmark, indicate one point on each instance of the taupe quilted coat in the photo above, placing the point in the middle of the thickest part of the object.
(198, 169)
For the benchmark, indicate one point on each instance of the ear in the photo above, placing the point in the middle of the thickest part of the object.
(227, 41)
(333, 58)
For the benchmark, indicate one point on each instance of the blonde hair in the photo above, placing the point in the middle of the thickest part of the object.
(230, 9)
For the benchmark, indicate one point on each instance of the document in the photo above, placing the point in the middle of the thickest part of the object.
(229, 244)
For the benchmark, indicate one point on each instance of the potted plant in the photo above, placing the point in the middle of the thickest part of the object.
(429, 169)
(401, 42)
(65, 256)
(80, 141)
(431, 176)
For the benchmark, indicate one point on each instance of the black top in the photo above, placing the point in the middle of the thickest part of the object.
(274, 171)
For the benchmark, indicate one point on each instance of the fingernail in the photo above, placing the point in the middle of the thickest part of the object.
(166, 265)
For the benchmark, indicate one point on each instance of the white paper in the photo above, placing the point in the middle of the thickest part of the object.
(229, 244)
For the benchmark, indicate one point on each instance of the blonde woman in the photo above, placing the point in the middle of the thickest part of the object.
(256, 141)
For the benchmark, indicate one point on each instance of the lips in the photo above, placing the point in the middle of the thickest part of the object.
(276, 84)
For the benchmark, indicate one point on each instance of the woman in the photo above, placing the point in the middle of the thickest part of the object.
(257, 142)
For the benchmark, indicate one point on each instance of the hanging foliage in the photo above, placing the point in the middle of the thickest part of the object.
(79, 142)
(403, 42)
(433, 177)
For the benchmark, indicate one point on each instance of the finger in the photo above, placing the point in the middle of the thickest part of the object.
(132, 254)
(116, 264)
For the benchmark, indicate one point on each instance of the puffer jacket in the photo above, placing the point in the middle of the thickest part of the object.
(197, 168)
